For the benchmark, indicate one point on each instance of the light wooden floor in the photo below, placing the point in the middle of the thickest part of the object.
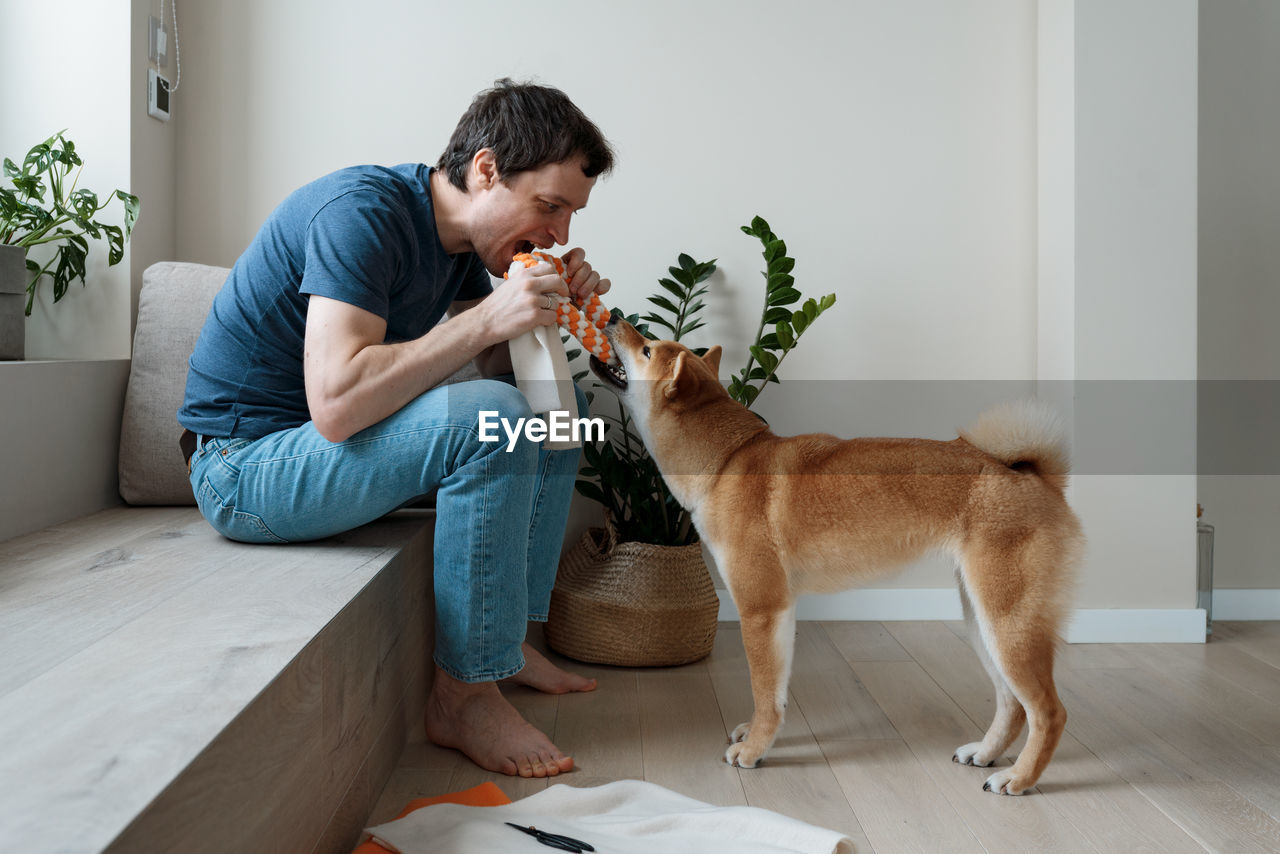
(1168, 748)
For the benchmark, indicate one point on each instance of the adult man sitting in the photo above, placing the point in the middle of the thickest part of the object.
(313, 402)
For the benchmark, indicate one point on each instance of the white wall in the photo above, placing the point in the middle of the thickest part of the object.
(152, 155)
(1240, 288)
(1117, 319)
(891, 145)
(850, 126)
(65, 65)
(82, 66)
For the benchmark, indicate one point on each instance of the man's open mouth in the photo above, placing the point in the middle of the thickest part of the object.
(614, 375)
(524, 247)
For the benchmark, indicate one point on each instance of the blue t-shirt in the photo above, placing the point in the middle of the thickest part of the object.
(364, 235)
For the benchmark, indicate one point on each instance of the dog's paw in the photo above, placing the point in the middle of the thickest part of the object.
(739, 733)
(971, 754)
(1004, 783)
(741, 756)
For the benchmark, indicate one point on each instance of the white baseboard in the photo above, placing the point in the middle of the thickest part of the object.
(1085, 626)
(1149, 625)
(1246, 604)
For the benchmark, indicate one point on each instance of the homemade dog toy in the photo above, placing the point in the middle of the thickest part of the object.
(583, 319)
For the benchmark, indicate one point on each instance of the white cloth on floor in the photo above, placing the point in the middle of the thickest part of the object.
(625, 817)
(543, 375)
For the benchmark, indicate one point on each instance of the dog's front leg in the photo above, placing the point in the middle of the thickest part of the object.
(769, 639)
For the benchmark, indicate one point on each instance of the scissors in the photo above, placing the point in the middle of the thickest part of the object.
(553, 840)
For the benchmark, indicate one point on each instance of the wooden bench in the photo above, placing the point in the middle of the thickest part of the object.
(165, 689)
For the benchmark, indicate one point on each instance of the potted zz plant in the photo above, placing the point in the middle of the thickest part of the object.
(66, 220)
(637, 592)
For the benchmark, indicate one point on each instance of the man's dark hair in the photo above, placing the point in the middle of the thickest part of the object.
(527, 127)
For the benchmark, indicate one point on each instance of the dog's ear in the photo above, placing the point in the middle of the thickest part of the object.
(712, 358)
(680, 377)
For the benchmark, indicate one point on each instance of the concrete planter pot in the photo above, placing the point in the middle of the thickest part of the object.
(13, 296)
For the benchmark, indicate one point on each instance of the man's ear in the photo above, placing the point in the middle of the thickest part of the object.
(679, 377)
(712, 358)
(484, 169)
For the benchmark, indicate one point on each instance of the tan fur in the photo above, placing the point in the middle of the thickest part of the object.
(805, 514)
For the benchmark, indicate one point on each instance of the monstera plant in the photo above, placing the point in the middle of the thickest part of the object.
(43, 204)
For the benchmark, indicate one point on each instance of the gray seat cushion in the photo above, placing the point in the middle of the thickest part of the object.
(172, 306)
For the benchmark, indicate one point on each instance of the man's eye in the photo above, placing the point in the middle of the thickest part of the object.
(550, 208)
(646, 352)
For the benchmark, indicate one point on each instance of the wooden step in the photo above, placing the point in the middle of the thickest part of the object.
(162, 688)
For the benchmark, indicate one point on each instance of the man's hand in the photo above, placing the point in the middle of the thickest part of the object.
(583, 281)
(520, 302)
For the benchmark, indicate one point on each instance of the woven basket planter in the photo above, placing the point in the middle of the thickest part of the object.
(632, 604)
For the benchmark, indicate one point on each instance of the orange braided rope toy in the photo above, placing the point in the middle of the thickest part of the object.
(584, 320)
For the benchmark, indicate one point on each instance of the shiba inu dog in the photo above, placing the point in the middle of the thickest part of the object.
(811, 514)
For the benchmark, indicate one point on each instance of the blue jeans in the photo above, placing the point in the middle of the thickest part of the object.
(500, 516)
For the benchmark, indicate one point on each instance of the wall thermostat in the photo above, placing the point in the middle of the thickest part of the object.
(157, 95)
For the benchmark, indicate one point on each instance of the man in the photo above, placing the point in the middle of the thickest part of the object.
(312, 402)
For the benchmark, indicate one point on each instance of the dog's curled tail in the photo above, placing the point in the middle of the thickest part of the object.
(1024, 434)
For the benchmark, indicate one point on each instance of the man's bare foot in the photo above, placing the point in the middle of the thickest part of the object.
(541, 674)
(477, 720)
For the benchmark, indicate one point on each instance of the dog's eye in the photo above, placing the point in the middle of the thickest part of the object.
(645, 350)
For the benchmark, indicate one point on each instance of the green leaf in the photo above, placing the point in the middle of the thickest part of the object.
(674, 289)
(774, 249)
(769, 341)
(786, 337)
(784, 296)
(785, 264)
(132, 207)
(653, 318)
(684, 277)
(800, 322)
(827, 301)
(590, 490)
(810, 309)
(775, 315)
(686, 262)
(663, 302)
(115, 240)
(780, 280)
(767, 360)
(689, 327)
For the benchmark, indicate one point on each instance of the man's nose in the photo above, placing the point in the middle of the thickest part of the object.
(560, 230)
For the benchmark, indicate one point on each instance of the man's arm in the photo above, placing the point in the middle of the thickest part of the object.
(494, 360)
(354, 380)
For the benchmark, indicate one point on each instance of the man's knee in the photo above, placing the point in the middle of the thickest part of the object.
(493, 399)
